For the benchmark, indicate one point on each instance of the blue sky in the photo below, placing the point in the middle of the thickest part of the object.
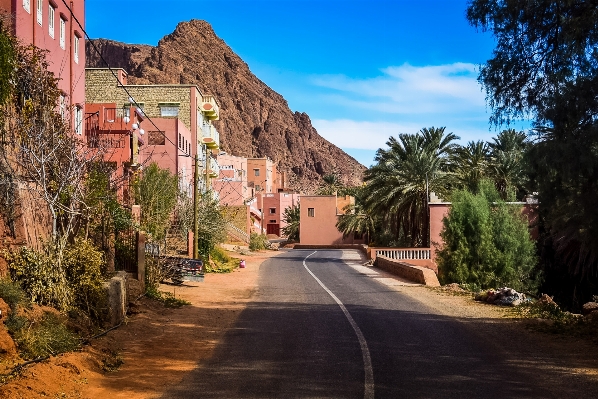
(362, 70)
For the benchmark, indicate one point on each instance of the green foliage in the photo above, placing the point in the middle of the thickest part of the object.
(84, 267)
(545, 68)
(12, 294)
(7, 63)
(397, 185)
(220, 262)
(77, 284)
(291, 216)
(258, 242)
(487, 243)
(157, 193)
(356, 220)
(167, 298)
(49, 336)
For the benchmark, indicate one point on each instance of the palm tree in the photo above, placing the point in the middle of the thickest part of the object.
(470, 164)
(291, 216)
(356, 220)
(507, 168)
(331, 184)
(398, 185)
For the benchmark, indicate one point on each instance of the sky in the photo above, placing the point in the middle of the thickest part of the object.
(362, 70)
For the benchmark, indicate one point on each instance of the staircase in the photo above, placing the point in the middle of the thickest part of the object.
(237, 233)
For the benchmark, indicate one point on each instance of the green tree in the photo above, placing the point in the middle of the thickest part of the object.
(398, 183)
(507, 162)
(470, 164)
(487, 243)
(157, 193)
(545, 66)
(356, 220)
(291, 216)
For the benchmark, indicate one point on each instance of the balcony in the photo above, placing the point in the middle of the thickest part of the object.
(109, 118)
(214, 168)
(210, 137)
(210, 108)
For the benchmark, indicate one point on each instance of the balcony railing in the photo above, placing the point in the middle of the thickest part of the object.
(210, 108)
(210, 136)
(403, 253)
(214, 168)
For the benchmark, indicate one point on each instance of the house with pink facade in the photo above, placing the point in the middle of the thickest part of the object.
(231, 184)
(274, 205)
(51, 25)
(318, 217)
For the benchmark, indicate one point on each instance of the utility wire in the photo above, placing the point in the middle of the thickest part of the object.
(115, 76)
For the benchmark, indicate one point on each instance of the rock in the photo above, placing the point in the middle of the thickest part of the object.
(255, 120)
(589, 307)
(4, 309)
(547, 300)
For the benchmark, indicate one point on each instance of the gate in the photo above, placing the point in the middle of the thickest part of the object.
(125, 251)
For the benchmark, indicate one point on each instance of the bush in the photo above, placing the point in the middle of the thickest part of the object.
(48, 337)
(12, 294)
(220, 262)
(487, 243)
(77, 284)
(258, 242)
(167, 298)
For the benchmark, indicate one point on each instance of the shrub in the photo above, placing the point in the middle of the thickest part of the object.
(220, 262)
(48, 337)
(167, 298)
(258, 242)
(12, 294)
(487, 243)
(76, 284)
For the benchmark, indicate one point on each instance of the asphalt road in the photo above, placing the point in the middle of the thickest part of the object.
(319, 328)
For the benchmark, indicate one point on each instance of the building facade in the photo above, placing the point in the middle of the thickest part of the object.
(318, 217)
(51, 25)
(174, 124)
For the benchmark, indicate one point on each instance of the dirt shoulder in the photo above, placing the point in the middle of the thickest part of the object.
(153, 350)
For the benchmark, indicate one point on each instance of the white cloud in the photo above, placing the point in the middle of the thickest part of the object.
(406, 89)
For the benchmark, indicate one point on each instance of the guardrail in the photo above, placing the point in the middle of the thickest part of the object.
(237, 232)
(404, 253)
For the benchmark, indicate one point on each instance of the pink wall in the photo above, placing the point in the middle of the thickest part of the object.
(231, 185)
(62, 62)
(277, 202)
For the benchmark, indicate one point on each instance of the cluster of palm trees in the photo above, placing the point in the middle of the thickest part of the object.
(392, 206)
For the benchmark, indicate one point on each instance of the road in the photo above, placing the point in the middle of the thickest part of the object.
(319, 327)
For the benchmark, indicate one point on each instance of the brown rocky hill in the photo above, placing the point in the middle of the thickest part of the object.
(255, 120)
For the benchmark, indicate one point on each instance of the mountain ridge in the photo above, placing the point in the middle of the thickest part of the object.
(255, 120)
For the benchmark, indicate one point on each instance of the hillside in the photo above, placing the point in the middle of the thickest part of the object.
(255, 120)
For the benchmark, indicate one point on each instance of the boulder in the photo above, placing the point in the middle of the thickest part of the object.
(589, 307)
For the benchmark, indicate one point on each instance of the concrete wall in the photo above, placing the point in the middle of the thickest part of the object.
(319, 229)
(277, 202)
(231, 185)
(407, 271)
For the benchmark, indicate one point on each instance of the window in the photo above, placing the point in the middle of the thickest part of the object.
(180, 141)
(156, 137)
(169, 111)
(76, 48)
(78, 120)
(27, 5)
(40, 6)
(258, 187)
(256, 172)
(311, 212)
(272, 211)
(272, 221)
(51, 13)
(62, 32)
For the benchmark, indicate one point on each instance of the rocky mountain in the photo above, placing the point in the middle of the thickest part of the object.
(255, 121)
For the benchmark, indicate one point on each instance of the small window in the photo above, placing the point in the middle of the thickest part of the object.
(311, 212)
(40, 6)
(76, 48)
(272, 211)
(51, 13)
(180, 141)
(156, 137)
(62, 32)
(27, 5)
(169, 111)
(256, 172)
(272, 221)
(258, 187)
(79, 120)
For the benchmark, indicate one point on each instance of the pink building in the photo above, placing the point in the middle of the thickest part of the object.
(319, 215)
(231, 184)
(50, 25)
(274, 205)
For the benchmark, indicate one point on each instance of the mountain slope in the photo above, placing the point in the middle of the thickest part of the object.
(255, 120)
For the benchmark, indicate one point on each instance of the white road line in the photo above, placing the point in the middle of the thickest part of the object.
(367, 360)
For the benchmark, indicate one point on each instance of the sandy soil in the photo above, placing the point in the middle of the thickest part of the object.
(158, 345)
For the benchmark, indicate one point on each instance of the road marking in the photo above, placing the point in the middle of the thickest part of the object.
(367, 360)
